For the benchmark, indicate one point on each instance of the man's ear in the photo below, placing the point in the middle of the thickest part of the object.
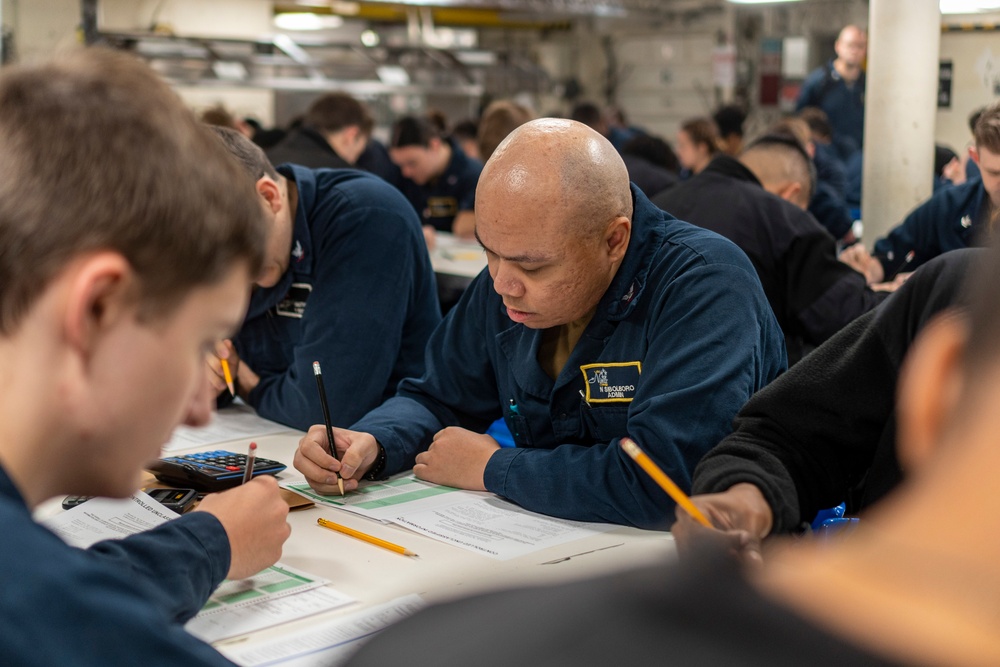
(103, 290)
(790, 192)
(930, 388)
(269, 189)
(617, 237)
(974, 154)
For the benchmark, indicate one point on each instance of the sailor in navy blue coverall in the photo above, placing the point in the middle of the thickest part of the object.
(961, 216)
(674, 335)
(442, 198)
(356, 292)
(104, 355)
(438, 179)
(838, 88)
(954, 218)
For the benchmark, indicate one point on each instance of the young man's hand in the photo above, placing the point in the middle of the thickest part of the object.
(217, 377)
(255, 518)
(863, 262)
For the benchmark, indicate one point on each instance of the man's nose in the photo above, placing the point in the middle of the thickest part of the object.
(506, 283)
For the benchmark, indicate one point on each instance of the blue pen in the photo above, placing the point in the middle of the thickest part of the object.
(514, 412)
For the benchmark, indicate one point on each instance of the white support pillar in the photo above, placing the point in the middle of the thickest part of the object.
(900, 110)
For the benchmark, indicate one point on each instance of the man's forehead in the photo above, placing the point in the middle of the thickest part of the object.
(516, 239)
(516, 177)
(987, 156)
(853, 36)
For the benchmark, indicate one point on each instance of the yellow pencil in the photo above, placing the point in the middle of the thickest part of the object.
(665, 482)
(364, 537)
(229, 377)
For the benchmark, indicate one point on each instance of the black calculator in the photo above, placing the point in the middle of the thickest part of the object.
(209, 471)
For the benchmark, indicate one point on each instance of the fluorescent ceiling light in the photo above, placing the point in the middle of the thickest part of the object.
(307, 21)
(392, 75)
(968, 6)
(348, 7)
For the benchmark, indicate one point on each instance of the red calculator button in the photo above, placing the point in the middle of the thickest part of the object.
(233, 468)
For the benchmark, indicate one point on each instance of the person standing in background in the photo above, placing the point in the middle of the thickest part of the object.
(838, 88)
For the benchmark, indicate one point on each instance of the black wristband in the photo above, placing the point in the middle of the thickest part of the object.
(375, 471)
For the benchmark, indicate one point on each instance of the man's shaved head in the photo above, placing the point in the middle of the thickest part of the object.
(554, 215)
(779, 160)
(561, 163)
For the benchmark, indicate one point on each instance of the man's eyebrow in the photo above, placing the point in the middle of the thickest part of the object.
(517, 259)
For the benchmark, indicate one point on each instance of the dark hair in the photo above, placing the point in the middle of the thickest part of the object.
(499, 119)
(249, 155)
(466, 129)
(729, 119)
(987, 130)
(98, 153)
(818, 121)
(587, 113)
(438, 119)
(702, 131)
(652, 149)
(335, 111)
(974, 118)
(412, 131)
(785, 143)
(942, 156)
(218, 115)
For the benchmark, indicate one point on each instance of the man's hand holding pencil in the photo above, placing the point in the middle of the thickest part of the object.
(736, 520)
(357, 452)
(741, 519)
(224, 365)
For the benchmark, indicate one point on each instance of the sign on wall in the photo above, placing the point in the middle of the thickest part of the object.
(945, 70)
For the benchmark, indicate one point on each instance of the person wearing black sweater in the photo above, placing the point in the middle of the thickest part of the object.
(825, 432)
(813, 295)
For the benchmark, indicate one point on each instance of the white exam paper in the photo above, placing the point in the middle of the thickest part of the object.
(495, 527)
(108, 519)
(323, 645)
(234, 422)
(473, 520)
(271, 597)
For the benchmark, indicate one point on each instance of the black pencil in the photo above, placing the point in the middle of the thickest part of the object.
(326, 418)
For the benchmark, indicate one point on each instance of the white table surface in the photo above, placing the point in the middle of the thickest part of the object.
(442, 571)
(453, 256)
(374, 575)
